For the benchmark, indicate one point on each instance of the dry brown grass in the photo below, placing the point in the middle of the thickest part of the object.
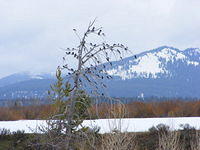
(169, 141)
(134, 109)
(119, 141)
(195, 144)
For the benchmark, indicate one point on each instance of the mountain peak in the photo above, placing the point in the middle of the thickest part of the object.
(166, 47)
(161, 48)
(169, 54)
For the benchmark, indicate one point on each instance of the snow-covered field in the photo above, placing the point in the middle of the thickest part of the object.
(107, 125)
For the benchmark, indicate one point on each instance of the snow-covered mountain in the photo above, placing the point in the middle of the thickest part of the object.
(162, 72)
(25, 85)
(159, 63)
(165, 71)
(23, 76)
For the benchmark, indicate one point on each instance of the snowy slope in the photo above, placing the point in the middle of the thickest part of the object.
(107, 125)
(155, 63)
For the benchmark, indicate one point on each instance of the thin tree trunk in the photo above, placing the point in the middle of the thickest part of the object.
(71, 110)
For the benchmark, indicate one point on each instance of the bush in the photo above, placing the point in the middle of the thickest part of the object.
(4, 133)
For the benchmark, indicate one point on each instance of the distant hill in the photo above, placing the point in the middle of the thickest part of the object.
(25, 85)
(165, 71)
(162, 72)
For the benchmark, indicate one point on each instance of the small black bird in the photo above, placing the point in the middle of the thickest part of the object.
(67, 53)
(99, 32)
(135, 57)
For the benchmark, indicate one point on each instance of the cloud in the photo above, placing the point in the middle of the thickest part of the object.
(32, 32)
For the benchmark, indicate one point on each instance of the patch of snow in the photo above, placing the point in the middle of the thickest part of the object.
(170, 55)
(36, 77)
(148, 64)
(107, 125)
(195, 63)
(124, 74)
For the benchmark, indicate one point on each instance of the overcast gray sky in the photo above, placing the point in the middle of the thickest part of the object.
(33, 31)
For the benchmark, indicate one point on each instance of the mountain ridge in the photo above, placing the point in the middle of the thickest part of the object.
(157, 57)
(164, 71)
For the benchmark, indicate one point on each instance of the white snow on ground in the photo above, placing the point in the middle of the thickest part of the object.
(107, 125)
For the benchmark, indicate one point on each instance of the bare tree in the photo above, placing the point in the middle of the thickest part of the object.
(92, 56)
(90, 71)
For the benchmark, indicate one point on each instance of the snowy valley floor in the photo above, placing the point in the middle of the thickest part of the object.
(107, 125)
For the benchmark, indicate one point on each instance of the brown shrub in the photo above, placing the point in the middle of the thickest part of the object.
(169, 108)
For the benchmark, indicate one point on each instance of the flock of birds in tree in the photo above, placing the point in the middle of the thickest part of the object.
(90, 57)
